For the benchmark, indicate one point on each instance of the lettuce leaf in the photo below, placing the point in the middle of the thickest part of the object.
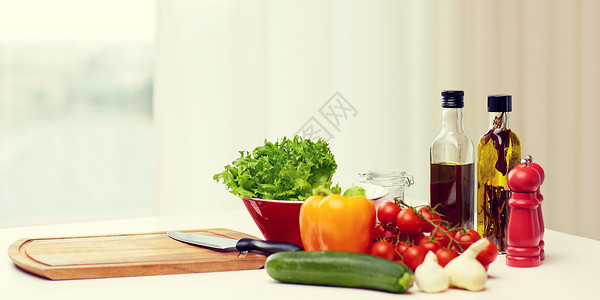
(288, 169)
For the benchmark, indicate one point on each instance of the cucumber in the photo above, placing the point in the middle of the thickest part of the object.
(344, 269)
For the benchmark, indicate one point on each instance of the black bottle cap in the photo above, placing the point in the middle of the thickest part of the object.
(452, 99)
(499, 103)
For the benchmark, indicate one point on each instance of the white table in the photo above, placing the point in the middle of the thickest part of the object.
(571, 270)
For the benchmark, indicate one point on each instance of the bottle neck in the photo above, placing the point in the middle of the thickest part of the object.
(499, 120)
(452, 119)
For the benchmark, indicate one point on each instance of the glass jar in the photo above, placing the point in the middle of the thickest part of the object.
(392, 181)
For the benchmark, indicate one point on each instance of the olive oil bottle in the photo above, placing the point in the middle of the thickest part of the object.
(499, 151)
(452, 168)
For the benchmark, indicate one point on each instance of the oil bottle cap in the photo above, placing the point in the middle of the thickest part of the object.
(499, 103)
(452, 99)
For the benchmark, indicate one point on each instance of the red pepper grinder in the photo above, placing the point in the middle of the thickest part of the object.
(523, 229)
(540, 198)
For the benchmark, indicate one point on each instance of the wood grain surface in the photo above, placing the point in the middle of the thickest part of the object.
(122, 255)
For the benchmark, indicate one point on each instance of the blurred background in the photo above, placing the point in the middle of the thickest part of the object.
(137, 117)
(76, 125)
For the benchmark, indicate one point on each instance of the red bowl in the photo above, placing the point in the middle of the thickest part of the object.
(278, 220)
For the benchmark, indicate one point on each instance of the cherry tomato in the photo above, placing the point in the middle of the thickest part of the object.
(408, 222)
(413, 256)
(445, 255)
(386, 233)
(383, 249)
(488, 254)
(429, 214)
(429, 244)
(401, 247)
(378, 231)
(465, 237)
(387, 212)
(442, 235)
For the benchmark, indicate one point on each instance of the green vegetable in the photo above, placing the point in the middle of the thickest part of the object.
(346, 269)
(354, 191)
(285, 170)
(350, 192)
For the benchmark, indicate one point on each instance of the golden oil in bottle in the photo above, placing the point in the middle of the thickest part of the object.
(499, 151)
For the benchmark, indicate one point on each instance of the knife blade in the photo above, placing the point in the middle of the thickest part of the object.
(226, 244)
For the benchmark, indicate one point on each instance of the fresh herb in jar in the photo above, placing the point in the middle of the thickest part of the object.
(499, 151)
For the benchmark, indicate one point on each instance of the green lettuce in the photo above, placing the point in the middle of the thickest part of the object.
(288, 169)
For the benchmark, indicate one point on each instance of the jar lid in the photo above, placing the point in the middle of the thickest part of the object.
(387, 178)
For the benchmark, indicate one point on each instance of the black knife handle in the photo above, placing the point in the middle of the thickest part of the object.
(268, 247)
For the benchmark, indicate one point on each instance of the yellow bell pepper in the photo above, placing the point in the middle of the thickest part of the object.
(337, 223)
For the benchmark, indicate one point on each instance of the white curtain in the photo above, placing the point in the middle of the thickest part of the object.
(231, 73)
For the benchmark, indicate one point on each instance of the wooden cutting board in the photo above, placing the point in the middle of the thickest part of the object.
(127, 255)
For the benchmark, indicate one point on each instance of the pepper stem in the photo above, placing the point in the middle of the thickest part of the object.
(322, 191)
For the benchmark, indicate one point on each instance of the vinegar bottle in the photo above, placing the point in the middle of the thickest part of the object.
(499, 151)
(452, 181)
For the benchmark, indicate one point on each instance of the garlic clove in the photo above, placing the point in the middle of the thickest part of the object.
(430, 276)
(465, 271)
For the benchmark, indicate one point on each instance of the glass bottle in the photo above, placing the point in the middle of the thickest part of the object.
(499, 151)
(452, 181)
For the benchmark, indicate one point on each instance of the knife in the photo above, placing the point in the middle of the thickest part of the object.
(226, 244)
